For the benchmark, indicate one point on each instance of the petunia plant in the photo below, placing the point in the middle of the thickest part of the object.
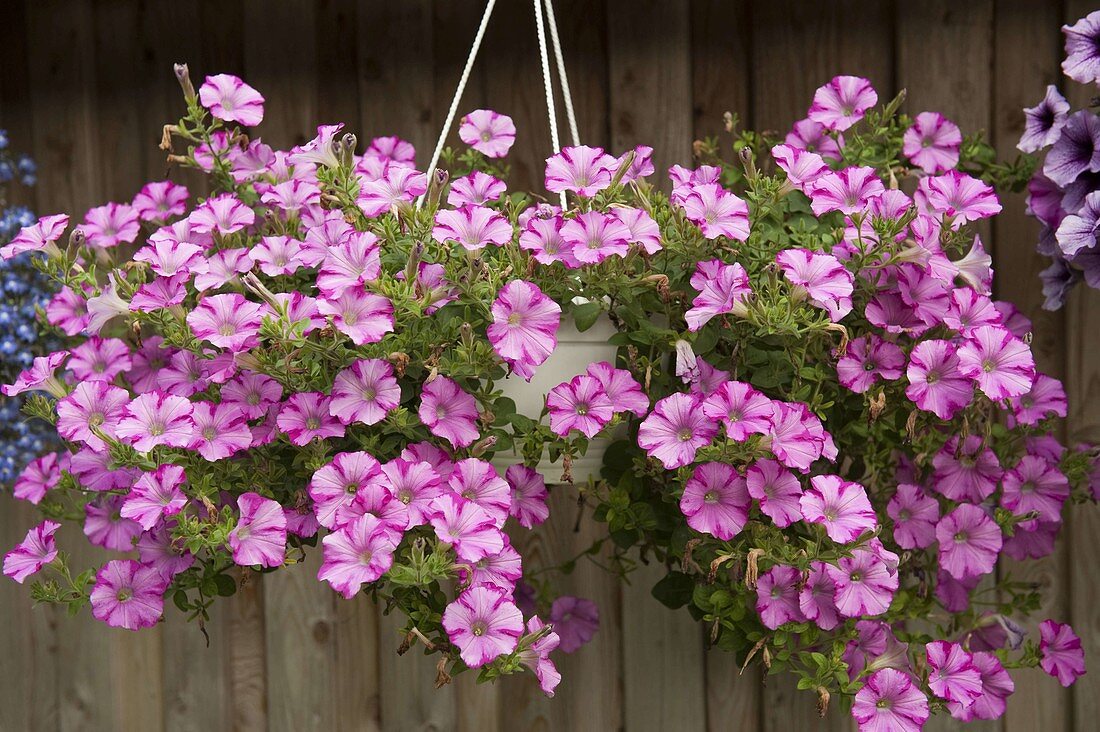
(816, 419)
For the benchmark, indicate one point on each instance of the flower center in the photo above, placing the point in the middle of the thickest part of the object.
(365, 557)
(478, 628)
(124, 594)
(210, 433)
(313, 423)
(684, 434)
(710, 497)
(960, 537)
(227, 329)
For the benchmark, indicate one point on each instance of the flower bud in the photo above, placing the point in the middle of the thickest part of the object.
(482, 446)
(184, 78)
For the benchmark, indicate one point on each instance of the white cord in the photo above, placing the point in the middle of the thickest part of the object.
(569, 115)
(458, 95)
(548, 83)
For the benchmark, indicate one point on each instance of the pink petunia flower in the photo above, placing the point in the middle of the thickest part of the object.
(814, 137)
(449, 412)
(111, 224)
(39, 236)
(227, 321)
(997, 686)
(349, 264)
(128, 595)
(68, 310)
(277, 255)
(484, 623)
(956, 196)
(334, 486)
(36, 550)
(104, 525)
(801, 166)
(305, 416)
(815, 599)
(716, 501)
(416, 484)
(890, 702)
(478, 482)
(100, 359)
(723, 288)
(156, 549)
(93, 470)
(777, 596)
(791, 438)
(365, 392)
(252, 393)
(777, 490)
(536, 656)
(579, 404)
(221, 430)
(1035, 485)
(359, 552)
(866, 360)
(39, 477)
(528, 487)
(231, 100)
(593, 237)
(1061, 653)
(840, 506)
(685, 180)
(158, 201)
(742, 410)
(952, 674)
(576, 621)
(821, 278)
(465, 525)
(260, 535)
(156, 418)
(542, 237)
(999, 362)
(393, 149)
(398, 187)
(676, 429)
(717, 212)
(475, 189)
(935, 382)
(1046, 399)
(92, 405)
(640, 167)
(842, 102)
(865, 584)
(932, 143)
(221, 268)
(39, 377)
(362, 316)
(488, 132)
(849, 190)
(155, 495)
(525, 326)
(474, 227)
(223, 214)
(621, 388)
(915, 515)
(583, 170)
(969, 542)
(644, 231)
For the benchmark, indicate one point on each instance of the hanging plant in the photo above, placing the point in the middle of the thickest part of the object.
(812, 413)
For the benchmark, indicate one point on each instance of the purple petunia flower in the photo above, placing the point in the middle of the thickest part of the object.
(621, 388)
(801, 166)
(935, 382)
(260, 535)
(717, 212)
(1076, 151)
(349, 264)
(849, 190)
(1061, 653)
(997, 686)
(1046, 399)
(1077, 231)
(592, 237)
(365, 392)
(915, 515)
(449, 412)
(416, 484)
(1000, 363)
(815, 599)
(932, 143)
(842, 102)
(357, 553)
(528, 495)
(398, 186)
(1035, 485)
(525, 326)
(474, 227)
(743, 410)
(676, 429)
(865, 584)
(227, 321)
(1082, 62)
(777, 490)
(821, 278)
(576, 621)
(777, 596)
(716, 501)
(952, 674)
(478, 482)
(155, 495)
(1043, 122)
(334, 485)
(866, 360)
(465, 525)
(156, 418)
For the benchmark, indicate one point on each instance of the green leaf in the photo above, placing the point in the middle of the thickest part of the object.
(585, 316)
(225, 585)
(674, 590)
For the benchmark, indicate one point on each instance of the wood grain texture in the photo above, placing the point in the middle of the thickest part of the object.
(247, 654)
(1019, 77)
(721, 44)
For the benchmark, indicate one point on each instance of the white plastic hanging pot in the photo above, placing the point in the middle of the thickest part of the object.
(575, 351)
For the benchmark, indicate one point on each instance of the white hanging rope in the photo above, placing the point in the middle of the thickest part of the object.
(458, 94)
(548, 83)
(569, 115)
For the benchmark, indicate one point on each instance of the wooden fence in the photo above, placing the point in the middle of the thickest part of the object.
(85, 85)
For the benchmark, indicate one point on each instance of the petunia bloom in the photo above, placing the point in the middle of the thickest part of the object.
(1043, 123)
(932, 143)
(777, 490)
(935, 382)
(676, 429)
(1061, 654)
(364, 392)
(305, 416)
(579, 404)
(723, 288)
(128, 595)
(472, 532)
(36, 550)
(840, 506)
(583, 170)
(449, 412)
(259, 537)
(484, 623)
(488, 132)
(777, 596)
(890, 702)
(952, 674)
(717, 212)
(231, 100)
(227, 321)
(1082, 61)
(474, 227)
(156, 418)
(1000, 363)
(155, 495)
(716, 501)
(529, 495)
(819, 277)
(842, 102)
(915, 514)
(969, 542)
(357, 553)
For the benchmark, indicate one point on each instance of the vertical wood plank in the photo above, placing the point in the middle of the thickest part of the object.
(28, 700)
(650, 103)
(1083, 389)
(358, 699)
(1019, 79)
(650, 79)
(247, 654)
